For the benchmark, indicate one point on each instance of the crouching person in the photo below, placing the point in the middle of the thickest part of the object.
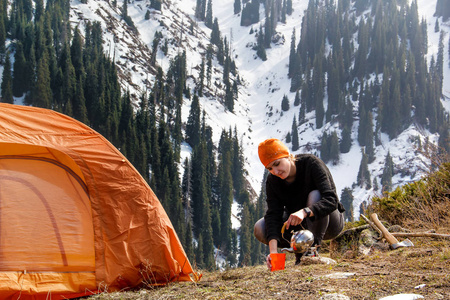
(300, 194)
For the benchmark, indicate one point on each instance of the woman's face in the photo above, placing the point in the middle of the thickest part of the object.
(281, 167)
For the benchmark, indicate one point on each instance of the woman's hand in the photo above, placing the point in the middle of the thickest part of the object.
(269, 262)
(273, 248)
(296, 218)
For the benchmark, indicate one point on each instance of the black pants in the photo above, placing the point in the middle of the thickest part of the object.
(325, 228)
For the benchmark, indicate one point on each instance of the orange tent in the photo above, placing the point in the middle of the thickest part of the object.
(75, 216)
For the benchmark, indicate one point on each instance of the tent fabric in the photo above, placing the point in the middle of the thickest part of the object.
(75, 216)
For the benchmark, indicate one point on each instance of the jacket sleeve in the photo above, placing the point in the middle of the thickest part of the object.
(274, 214)
(322, 179)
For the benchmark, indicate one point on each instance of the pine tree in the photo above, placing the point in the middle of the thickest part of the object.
(76, 53)
(237, 169)
(220, 52)
(216, 225)
(333, 144)
(199, 254)
(232, 255)
(200, 190)
(363, 49)
(208, 246)
(156, 4)
(3, 26)
(442, 9)
(444, 139)
(200, 10)
(225, 196)
(285, 103)
(289, 7)
(215, 38)
(193, 123)
(229, 96)
(250, 13)
(370, 149)
(363, 179)
(7, 82)
(318, 83)
(439, 71)
(127, 130)
(237, 6)
(324, 148)
(260, 49)
(201, 79)
(209, 15)
(186, 190)
(41, 95)
(19, 84)
(333, 89)
(297, 99)
(69, 81)
(283, 12)
(288, 137)
(245, 237)
(188, 243)
(388, 172)
(295, 142)
(346, 141)
(268, 28)
(175, 201)
(375, 184)
(302, 112)
(209, 55)
(79, 103)
(347, 202)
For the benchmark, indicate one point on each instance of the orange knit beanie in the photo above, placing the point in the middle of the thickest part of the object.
(270, 150)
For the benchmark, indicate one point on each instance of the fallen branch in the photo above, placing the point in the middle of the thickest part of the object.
(421, 234)
(352, 230)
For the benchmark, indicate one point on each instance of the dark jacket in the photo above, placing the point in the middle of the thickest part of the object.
(311, 174)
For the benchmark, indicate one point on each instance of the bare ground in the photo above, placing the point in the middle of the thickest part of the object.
(423, 269)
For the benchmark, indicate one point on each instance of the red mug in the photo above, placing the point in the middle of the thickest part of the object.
(277, 261)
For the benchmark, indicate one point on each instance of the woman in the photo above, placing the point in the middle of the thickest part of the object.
(300, 193)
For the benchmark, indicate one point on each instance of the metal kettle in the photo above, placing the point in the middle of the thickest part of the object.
(301, 241)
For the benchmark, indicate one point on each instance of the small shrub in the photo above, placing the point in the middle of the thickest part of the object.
(418, 204)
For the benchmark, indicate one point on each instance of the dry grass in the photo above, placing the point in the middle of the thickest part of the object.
(379, 274)
(418, 205)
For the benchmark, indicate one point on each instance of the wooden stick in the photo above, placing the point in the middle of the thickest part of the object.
(422, 234)
(352, 230)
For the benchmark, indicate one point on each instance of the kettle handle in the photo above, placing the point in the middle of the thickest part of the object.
(283, 228)
(282, 232)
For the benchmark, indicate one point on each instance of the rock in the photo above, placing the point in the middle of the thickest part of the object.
(403, 297)
(339, 275)
(368, 238)
(334, 297)
(309, 260)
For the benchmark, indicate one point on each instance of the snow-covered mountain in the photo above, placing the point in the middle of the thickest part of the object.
(257, 113)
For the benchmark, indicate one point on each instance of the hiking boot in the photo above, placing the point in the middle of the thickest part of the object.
(298, 257)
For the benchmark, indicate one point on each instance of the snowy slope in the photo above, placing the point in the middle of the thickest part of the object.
(265, 82)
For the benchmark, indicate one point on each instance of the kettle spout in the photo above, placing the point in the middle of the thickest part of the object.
(290, 250)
